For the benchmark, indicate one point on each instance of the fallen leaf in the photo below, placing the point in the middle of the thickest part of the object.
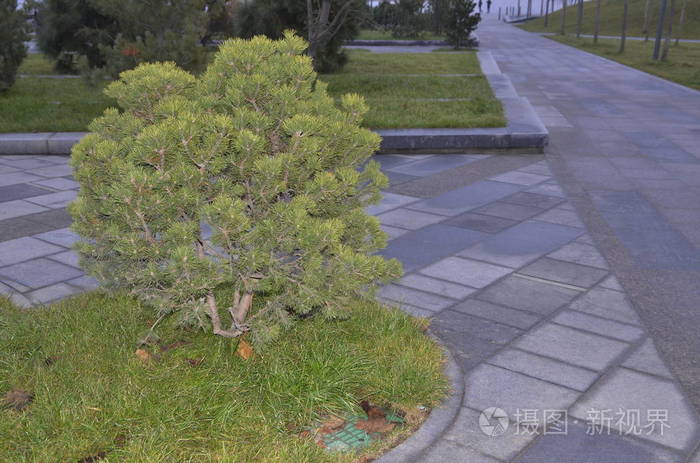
(174, 345)
(195, 362)
(244, 350)
(93, 458)
(375, 425)
(120, 440)
(331, 425)
(49, 361)
(18, 400)
(144, 355)
(371, 410)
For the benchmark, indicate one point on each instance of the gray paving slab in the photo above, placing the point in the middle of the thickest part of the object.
(436, 286)
(599, 325)
(647, 359)
(466, 272)
(20, 191)
(18, 208)
(481, 222)
(572, 346)
(414, 297)
(532, 296)
(62, 237)
(38, 273)
(508, 210)
(466, 198)
(25, 248)
(522, 243)
(468, 326)
(497, 313)
(390, 201)
(580, 253)
(607, 303)
(564, 272)
(533, 200)
(408, 219)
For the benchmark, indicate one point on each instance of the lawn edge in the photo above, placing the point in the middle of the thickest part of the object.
(440, 419)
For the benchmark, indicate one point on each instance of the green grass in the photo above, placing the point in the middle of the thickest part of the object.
(682, 65)
(611, 19)
(401, 89)
(36, 63)
(95, 395)
(37, 104)
(369, 34)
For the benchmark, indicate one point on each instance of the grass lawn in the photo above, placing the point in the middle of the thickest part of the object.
(408, 90)
(682, 65)
(611, 19)
(92, 396)
(404, 90)
(369, 34)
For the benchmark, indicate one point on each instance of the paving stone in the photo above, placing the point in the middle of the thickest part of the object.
(68, 257)
(564, 272)
(63, 237)
(7, 169)
(579, 446)
(466, 272)
(647, 359)
(51, 293)
(466, 325)
(607, 303)
(430, 244)
(545, 369)
(469, 351)
(449, 451)
(59, 183)
(522, 243)
(19, 227)
(533, 199)
(547, 189)
(56, 218)
(21, 249)
(491, 386)
(18, 208)
(465, 198)
(406, 218)
(433, 285)
(37, 273)
(54, 200)
(571, 346)
(390, 201)
(409, 309)
(561, 216)
(415, 298)
(532, 296)
(393, 232)
(599, 325)
(480, 222)
(520, 178)
(19, 191)
(53, 171)
(629, 390)
(29, 163)
(433, 165)
(466, 432)
(14, 178)
(84, 282)
(539, 168)
(611, 283)
(396, 179)
(497, 313)
(580, 253)
(508, 210)
(387, 161)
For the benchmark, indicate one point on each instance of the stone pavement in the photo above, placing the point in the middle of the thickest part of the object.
(496, 255)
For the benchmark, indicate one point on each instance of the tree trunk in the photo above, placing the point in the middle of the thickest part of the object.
(681, 21)
(579, 18)
(623, 37)
(562, 31)
(645, 26)
(546, 13)
(669, 33)
(596, 27)
(529, 8)
(659, 30)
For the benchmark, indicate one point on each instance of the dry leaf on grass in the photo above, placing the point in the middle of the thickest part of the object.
(195, 362)
(332, 424)
(93, 458)
(371, 410)
(244, 350)
(375, 425)
(173, 345)
(17, 400)
(144, 355)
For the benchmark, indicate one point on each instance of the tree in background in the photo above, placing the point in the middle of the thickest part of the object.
(237, 199)
(462, 22)
(272, 17)
(13, 34)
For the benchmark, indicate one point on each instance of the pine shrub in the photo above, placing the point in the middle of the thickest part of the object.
(462, 22)
(248, 180)
(13, 34)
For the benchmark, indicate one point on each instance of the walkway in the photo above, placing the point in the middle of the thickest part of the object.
(552, 279)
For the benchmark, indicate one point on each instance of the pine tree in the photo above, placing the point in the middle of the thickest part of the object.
(13, 34)
(248, 179)
(463, 20)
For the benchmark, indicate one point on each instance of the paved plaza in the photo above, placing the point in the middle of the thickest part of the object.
(565, 285)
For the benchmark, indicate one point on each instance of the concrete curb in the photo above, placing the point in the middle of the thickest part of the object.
(395, 43)
(524, 129)
(439, 420)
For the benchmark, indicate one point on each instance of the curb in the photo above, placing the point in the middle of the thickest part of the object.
(39, 143)
(524, 129)
(395, 43)
(439, 420)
